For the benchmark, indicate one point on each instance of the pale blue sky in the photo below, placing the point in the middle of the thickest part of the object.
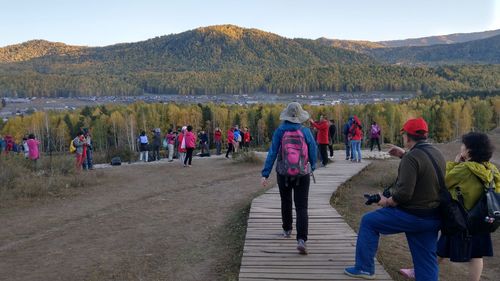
(105, 22)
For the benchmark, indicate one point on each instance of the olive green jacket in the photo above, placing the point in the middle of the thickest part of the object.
(417, 186)
(471, 177)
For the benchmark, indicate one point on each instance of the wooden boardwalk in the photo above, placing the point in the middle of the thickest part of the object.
(331, 244)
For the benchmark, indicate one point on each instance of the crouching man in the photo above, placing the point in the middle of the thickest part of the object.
(412, 208)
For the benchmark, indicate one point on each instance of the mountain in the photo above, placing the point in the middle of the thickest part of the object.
(441, 39)
(353, 45)
(484, 51)
(229, 59)
(36, 49)
(203, 49)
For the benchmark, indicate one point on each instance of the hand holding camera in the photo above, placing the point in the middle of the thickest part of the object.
(375, 198)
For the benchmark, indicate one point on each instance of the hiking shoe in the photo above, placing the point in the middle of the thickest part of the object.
(353, 272)
(301, 247)
(287, 233)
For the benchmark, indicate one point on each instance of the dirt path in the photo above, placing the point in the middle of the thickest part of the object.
(139, 222)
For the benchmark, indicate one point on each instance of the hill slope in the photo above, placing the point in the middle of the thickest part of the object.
(203, 49)
(36, 49)
(441, 39)
(484, 51)
(229, 59)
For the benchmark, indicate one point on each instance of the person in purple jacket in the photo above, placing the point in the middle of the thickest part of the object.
(375, 136)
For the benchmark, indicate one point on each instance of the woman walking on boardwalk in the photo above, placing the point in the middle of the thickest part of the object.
(294, 147)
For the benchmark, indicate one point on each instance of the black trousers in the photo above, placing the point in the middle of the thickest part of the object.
(373, 141)
(156, 152)
(330, 147)
(230, 148)
(189, 155)
(323, 151)
(300, 188)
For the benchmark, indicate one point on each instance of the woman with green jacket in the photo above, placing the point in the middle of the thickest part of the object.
(471, 171)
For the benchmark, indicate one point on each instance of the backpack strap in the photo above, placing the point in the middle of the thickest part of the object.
(439, 173)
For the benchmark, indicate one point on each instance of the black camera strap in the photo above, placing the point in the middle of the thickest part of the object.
(439, 173)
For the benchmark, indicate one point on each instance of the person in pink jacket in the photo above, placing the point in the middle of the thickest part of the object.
(190, 140)
(33, 153)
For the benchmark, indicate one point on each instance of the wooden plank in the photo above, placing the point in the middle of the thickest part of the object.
(331, 242)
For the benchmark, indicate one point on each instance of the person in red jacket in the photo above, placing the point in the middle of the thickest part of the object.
(190, 140)
(230, 141)
(9, 142)
(218, 140)
(246, 138)
(322, 137)
(356, 135)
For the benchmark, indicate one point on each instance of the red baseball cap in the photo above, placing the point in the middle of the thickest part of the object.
(416, 127)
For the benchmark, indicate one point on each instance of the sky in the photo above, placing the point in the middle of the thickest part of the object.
(106, 22)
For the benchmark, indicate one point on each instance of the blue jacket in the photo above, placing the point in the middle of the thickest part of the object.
(345, 131)
(275, 146)
(236, 134)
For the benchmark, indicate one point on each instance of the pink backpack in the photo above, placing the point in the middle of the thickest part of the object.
(293, 155)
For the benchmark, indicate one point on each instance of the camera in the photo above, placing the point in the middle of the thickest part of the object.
(374, 198)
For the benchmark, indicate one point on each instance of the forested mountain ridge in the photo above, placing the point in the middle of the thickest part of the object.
(35, 49)
(229, 59)
(484, 51)
(213, 48)
(353, 45)
(440, 39)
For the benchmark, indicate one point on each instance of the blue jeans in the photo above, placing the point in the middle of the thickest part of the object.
(87, 162)
(421, 234)
(355, 149)
(218, 147)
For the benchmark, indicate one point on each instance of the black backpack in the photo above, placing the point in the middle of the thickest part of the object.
(116, 161)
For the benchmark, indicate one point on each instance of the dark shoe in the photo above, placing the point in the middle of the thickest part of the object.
(353, 272)
(301, 247)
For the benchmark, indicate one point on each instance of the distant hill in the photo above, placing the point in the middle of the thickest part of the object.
(484, 51)
(36, 49)
(441, 39)
(357, 46)
(203, 49)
